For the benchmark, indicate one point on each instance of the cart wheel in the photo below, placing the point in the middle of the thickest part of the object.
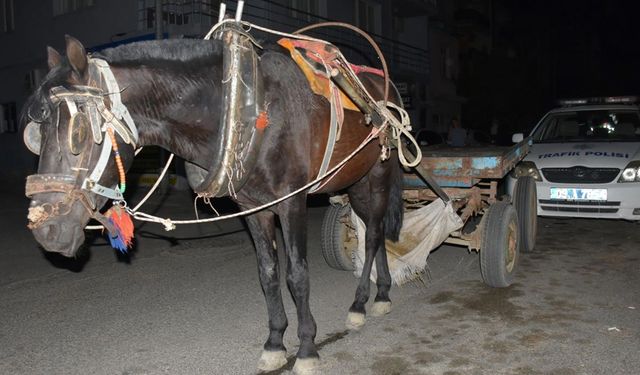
(525, 200)
(499, 248)
(338, 240)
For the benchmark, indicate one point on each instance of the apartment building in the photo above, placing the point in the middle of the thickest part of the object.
(416, 37)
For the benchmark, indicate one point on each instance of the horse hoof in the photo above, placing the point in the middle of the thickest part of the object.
(306, 366)
(355, 320)
(381, 308)
(270, 361)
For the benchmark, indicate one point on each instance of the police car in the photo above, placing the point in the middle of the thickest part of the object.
(585, 159)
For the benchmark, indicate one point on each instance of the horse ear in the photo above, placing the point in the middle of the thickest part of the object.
(53, 58)
(77, 55)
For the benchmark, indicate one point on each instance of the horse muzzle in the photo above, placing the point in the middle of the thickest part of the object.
(57, 212)
(59, 237)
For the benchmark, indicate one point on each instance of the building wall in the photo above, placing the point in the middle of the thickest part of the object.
(108, 22)
(443, 102)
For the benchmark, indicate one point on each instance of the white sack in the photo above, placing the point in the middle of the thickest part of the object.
(423, 230)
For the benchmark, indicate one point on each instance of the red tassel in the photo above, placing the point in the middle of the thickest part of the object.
(262, 121)
(121, 220)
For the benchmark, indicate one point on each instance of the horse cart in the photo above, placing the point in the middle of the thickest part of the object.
(499, 228)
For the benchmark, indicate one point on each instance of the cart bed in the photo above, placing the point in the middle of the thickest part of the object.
(466, 166)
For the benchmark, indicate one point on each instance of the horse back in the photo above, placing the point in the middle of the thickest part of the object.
(354, 130)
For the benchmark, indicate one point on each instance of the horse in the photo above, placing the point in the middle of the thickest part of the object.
(171, 89)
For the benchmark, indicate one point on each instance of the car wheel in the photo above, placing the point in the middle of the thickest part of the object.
(499, 249)
(525, 200)
(338, 240)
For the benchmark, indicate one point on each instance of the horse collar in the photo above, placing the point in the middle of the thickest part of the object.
(242, 122)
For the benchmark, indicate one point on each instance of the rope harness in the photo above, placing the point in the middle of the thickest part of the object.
(380, 113)
(107, 115)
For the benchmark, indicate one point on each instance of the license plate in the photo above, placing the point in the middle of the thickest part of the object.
(574, 194)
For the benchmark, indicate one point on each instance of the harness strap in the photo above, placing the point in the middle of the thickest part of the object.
(91, 183)
(112, 118)
(51, 182)
(113, 91)
(59, 183)
(331, 141)
(112, 121)
(94, 120)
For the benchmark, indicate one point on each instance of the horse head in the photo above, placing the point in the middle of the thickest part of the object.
(71, 124)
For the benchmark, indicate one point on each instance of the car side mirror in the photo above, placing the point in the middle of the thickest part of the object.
(517, 138)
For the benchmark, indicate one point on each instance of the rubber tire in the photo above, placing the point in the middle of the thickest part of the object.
(525, 200)
(500, 224)
(335, 251)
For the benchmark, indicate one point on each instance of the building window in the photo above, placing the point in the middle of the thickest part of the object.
(176, 12)
(306, 10)
(6, 16)
(69, 6)
(8, 118)
(368, 16)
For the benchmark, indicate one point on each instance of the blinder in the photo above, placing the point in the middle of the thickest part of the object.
(78, 129)
(86, 116)
(32, 137)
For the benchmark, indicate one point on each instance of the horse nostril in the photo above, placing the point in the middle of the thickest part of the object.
(50, 232)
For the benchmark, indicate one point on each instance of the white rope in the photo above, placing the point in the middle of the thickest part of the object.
(146, 197)
(171, 224)
(398, 129)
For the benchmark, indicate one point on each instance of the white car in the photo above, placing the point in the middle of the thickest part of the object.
(585, 160)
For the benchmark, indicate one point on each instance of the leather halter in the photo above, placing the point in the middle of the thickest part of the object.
(105, 111)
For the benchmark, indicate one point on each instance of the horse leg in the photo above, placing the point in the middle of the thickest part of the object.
(369, 201)
(262, 228)
(293, 215)
(382, 303)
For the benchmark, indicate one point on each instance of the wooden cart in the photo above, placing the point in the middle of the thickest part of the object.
(499, 228)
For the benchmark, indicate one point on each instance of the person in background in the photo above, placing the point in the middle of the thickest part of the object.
(457, 136)
(495, 127)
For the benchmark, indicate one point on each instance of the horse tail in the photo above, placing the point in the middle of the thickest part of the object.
(395, 206)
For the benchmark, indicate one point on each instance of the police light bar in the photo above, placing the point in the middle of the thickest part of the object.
(570, 102)
(599, 100)
(621, 99)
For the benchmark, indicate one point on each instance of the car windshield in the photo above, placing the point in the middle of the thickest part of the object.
(590, 126)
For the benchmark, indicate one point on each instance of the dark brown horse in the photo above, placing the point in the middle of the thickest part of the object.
(172, 91)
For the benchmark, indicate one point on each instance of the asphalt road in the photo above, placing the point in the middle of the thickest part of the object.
(191, 304)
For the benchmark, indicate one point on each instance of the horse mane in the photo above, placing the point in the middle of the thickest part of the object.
(167, 50)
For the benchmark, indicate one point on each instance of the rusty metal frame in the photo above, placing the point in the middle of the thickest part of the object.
(467, 202)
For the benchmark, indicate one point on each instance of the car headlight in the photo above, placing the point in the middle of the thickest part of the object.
(526, 168)
(631, 173)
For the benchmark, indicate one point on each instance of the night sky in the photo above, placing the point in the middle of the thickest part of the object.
(593, 44)
(548, 50)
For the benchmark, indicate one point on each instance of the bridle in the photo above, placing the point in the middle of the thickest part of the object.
(98, 109)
